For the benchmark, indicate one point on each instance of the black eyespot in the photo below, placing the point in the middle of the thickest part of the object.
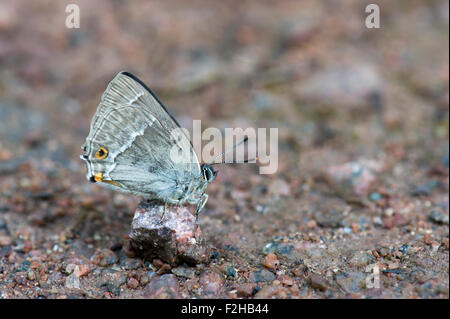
(92, 179)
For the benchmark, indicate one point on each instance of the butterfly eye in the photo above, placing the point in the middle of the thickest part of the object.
(101, 153)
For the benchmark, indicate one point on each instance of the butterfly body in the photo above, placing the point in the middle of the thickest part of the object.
(129, 145)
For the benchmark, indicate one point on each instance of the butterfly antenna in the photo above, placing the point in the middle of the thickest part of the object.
(232, 149)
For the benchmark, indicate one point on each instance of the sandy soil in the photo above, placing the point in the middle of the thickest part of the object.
(359, 206)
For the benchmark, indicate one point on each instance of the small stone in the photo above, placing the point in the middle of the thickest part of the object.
(384, 251)
(162, 287)
(104, 258)
(438, 217)
(31, 275)
(72, 282)
(397, 220)
(286, 280)
(427, 239)
(317, 282)
(185, 272)
(212, 282)
(144, 279)
(271, 261)
(262, 276)
(132, 283)
(230, 272)
(445, 242)
(245, 290)
(331, 219)
(81, 270)
(375, 197)
(172, 239)
(358, 176)
(267, 292)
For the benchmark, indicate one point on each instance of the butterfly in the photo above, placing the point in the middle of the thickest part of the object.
(129, 143)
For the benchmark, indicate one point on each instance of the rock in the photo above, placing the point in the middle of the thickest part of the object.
(162, 287)
(331, 219)
(397, 220)
(212, 282)
(271, 261)
(268, 292)
(245, 290)
(104, 258)
(358, 176)
(132, 283)
(185, 272)
(171, 239)
(81, 270)
(72, 282)
(384, 251)
(262, 276)
(318, 282)
(438, 217)
(112, 280)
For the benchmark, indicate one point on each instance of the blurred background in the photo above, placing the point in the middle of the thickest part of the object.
(362, 116)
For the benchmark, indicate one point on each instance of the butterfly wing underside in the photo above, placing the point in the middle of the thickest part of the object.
(130, 141)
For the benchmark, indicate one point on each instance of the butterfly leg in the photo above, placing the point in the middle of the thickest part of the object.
(163, 214)
(200, 205)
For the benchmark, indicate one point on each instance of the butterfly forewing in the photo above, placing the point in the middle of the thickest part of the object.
(131, 138)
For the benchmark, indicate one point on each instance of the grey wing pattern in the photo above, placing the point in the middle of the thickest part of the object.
(134, 129)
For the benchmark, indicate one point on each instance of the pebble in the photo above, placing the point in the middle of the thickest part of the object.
(186, 272)
(162, 287)
(212, 282)
(81, 270)
(245, 290)
(445, 241)
(375, 196)
(132, 283)
(262, 276)
(331, 219)
(172, 240)
(271, 261)
(72, 282)
(397, 220)
(359, 176)
(427, 239)
(267, 292)
(318, 282)
(384, 251)
(438, 217)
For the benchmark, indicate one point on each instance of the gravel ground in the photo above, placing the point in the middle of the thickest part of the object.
(359, 206)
